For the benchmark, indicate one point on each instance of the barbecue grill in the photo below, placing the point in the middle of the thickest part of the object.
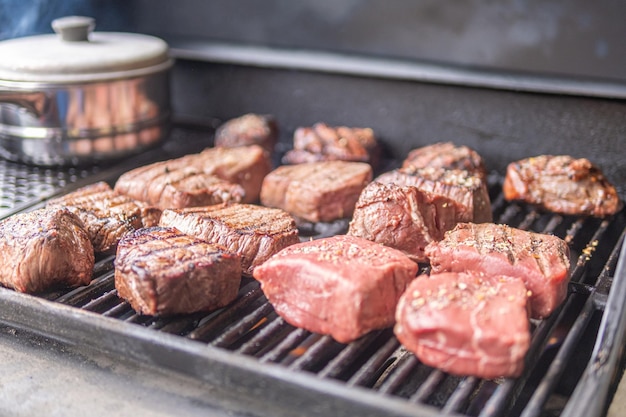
(245, 357)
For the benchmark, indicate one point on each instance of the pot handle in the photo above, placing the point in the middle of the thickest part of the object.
(74, 28)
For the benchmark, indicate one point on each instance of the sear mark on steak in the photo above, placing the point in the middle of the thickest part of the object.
(466, 323)
(468, 192)
(404, 218)
(249, 129)
(540, 260)
(561, 184)
(317, 191)
(44, 249)
(253, 232)
(446, 155)
(321, 142)
(343, 286)
(107, 215)
(162, 271)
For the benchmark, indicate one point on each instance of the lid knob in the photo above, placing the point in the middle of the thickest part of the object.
(74, 28)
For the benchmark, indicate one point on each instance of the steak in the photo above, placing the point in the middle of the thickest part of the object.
(44, 249)
(321, 142)
(107, 215)
(541, 260)
(446, 155)
(343, 286)
(249, 129)
(213, 176)
(317, 191)
(468, 192)
(162, 271)
(465, 323)
(561, 184)
(404, 218)
(253, 232)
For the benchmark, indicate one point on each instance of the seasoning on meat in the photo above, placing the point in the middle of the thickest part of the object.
(321, 142)
(44, 249)
(465, 323)
(249, 129)
(541, 260)
(446, 155)
(343, 286)
(402, 217)
(107, 215)
(316, 191)
(562, 184)
(162, 271)
(468, 191)
(253, 232)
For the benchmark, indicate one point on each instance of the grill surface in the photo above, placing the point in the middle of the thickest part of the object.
(561, 345)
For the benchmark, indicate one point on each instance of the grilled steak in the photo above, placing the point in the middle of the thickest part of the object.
(561, 184)
(253, 232)
(161, 271)
(213, 176)
(249, 129)
(446, 155)
(541, 260)
(107, 215)
(466, 324)
(404, 218)
(325, 143)
(317, 191)
(468, 192)
(44, 249)
(343, 286)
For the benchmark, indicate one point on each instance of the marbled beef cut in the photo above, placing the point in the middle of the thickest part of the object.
(541, 260)
(446, 155)
(343, 286)
(465, 323)
(44, 249)
(561, 184)
(253, 232)
(249, 129)
(162, 271)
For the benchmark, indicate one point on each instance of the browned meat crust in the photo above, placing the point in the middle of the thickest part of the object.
(249, 129)
(446, 155)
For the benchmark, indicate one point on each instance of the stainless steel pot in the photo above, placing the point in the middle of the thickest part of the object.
(80, 97)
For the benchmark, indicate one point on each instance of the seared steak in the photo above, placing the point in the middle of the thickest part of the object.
(44, 249)
(317, 191)
(465, 323)
(107, 215)
(468, 191)
(325, 143)
(561, 184)
(253, 232)
(446, 155)
(249, 129)
(343, 286)
(162, 271)
(404, 218)
(541, 260)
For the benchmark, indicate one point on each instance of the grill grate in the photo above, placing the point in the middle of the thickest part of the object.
(377, 362)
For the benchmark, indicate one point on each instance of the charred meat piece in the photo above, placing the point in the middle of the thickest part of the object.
(107, 215)
(44, 249)
(162, 271)
(317, 191)
(343, 286)
(468, 192)
(446, 155)
(253, 232)
(404, 218)
(466, 324)
(214, 176)
(561, 184)
(249, 129)
(541, 260)
(326, 143)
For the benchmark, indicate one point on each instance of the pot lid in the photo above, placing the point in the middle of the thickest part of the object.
(74, 53)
